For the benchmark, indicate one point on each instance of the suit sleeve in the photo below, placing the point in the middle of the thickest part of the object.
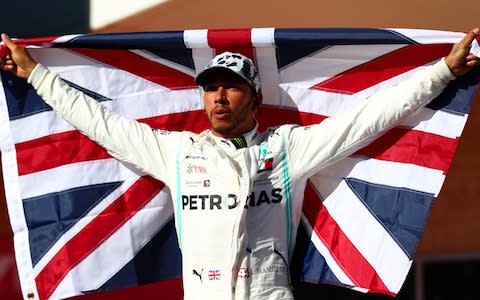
(314, 147)
(127, 140)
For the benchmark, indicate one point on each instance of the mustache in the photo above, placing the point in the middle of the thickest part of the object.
(221, 109)
(217, 109)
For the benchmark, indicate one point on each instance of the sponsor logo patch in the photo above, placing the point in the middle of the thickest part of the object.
(199, 274)
(230, 201)
(196, 169)
(243, 273)
(265, 160)
(214, 274)
(193, 157)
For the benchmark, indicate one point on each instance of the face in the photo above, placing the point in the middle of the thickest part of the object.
(230, 105)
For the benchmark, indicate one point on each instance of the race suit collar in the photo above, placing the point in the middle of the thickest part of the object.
(239, 142)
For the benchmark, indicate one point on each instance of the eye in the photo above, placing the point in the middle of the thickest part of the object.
(210, 88)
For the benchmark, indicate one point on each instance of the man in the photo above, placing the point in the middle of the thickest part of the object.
(237, 193)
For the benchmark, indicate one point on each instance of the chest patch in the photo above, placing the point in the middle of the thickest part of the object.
(265, 161)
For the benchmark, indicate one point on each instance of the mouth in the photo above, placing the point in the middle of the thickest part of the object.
(221, 113)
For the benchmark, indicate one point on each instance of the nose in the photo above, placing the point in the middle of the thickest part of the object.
(220, 95)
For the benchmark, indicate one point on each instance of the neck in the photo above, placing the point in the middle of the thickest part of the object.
(233, 133)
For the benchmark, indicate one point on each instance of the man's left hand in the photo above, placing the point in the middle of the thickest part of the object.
(460, 60)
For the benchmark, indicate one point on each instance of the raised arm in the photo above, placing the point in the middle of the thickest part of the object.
(320, 145)
(127, 140)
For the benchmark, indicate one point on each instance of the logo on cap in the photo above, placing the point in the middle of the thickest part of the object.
(235, 62)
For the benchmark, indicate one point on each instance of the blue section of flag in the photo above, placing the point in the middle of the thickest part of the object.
(294, 44)
(308, 264)
(159, 259)
(23, 101)
(180, 56)
(459, 94)
(90, 93)
(168, 45)
(172, 40)
(406, 221)
(49, 216)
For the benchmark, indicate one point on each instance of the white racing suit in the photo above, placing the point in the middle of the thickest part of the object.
(238, 203)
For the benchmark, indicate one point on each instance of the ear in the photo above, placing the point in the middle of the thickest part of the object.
(257, 101)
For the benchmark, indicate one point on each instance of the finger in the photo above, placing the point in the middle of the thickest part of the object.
(472, 60)
(5, 49)
(8, 41)
(468, 39)
(472, 56)
(473, 63)
(8, 67)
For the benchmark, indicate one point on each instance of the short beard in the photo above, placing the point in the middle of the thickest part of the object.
(238, 120)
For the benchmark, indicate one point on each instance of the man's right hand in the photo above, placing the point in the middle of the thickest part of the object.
(17, 61)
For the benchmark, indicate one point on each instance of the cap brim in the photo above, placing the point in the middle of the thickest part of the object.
(208, 75)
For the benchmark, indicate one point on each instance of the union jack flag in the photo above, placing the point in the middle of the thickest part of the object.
(85, 222)
(214, 275)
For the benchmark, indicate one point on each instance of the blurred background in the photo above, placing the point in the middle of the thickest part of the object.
(447, 263)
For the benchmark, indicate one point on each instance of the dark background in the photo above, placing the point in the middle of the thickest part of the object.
(44, 18)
